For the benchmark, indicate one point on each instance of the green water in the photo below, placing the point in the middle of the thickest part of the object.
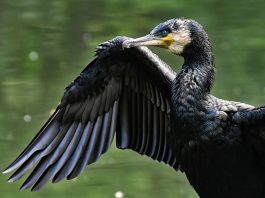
(45, 44)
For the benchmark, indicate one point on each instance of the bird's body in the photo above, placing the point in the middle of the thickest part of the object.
(212, 149)
(223, 167)
(220, 145)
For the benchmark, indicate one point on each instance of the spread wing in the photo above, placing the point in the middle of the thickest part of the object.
(121, 91)
(252, 124)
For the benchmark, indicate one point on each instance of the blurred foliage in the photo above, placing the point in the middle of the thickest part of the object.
(45, 44)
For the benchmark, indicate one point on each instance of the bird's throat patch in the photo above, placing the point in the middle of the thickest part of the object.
(179, 40)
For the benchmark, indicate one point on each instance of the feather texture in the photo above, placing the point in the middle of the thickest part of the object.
(110, 95)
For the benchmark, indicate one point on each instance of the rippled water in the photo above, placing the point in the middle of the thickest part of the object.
(45, 44)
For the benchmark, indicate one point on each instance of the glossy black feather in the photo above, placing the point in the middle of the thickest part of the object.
(38, 143)
(74, 159)
(55, 167)
(109, 95)
(88, 154)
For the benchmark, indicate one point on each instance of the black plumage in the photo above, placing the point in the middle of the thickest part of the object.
(115, 92)
(129, 92)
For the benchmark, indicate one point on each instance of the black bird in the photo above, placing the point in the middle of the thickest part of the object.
(128, 91)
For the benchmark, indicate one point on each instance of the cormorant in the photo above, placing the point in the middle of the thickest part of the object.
(128, 91)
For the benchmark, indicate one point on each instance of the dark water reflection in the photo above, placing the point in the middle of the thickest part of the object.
(45, 44)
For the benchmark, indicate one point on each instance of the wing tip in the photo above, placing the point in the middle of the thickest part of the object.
(23, 187)
(8, 170)
(36, 187)
(56, 180)
(26, 186)
(10, 180)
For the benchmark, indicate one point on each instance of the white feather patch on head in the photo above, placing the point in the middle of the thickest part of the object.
(181, 37)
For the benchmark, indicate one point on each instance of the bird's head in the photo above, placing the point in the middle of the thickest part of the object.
(179, 36)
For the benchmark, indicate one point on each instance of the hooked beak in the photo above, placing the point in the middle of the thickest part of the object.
(148, 40)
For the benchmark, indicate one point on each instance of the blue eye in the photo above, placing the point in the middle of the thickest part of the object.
(164, 33)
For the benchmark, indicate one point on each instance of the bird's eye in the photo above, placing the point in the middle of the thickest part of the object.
(164, 33)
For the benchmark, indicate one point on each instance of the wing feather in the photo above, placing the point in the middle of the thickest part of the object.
(88, 152)
(251, 122)
(144, 127)
(116, 92)
(74, 159)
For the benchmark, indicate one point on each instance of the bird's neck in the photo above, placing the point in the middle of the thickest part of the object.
(200, 65)
(189, 94)
(194, 82)
(198, 69)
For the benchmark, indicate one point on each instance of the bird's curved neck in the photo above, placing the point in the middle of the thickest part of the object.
(200, 64)
(199, 58)
(190, 90)
(195, 80)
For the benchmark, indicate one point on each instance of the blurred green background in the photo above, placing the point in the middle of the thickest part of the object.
(45, 44)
